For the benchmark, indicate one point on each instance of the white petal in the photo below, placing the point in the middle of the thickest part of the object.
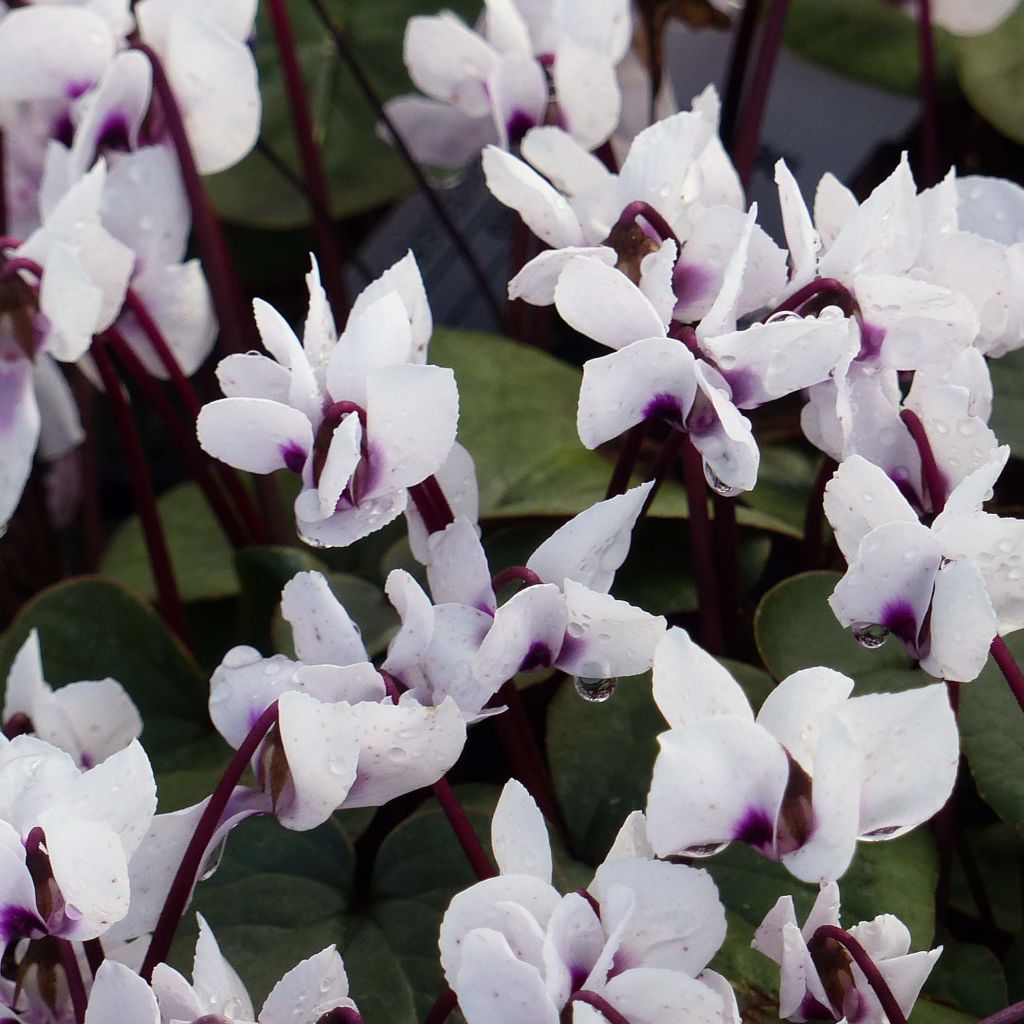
(402, 277)
(588, 93)
(438, 134)
(656, 272)
(834, 205)
(348, 525)
(120, 994)
(721, 317)
(311, 988)
(505, 27)
(343, 456)
(255, 434)
(689, 684)
(519, 836)
(536, 282)
(19, 432)
(457, 478)
(408, 646)
(906, 975)
(25, 682)
(448, 61)
(631, 840)
(722, 435)
(801, 238)
(322, 630)
(573, 943)
(591, 547)
(963, 623)
(71, 302)
(602, 25)
(250, 375)
(458, 569)
(519, 96)
(155, 17)
(570, 167)
(990, 207)
(974, 19)
(280, 341)
(447, 666)
(217, 986)
(650, 996)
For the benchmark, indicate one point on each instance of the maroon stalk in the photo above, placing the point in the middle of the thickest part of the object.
(443, 1008)
(432, 504)
(659, 471)
(874, 976)
(600, 1004)
(934, 479)
(739, 59)
(819, 286)
(515, 572)
(188, 870)
(94, 954)
(459, 821)
(814, 515)
(650, 214)
(142, 489)
(317, 189)
(745, 149)
(725, 534)
(183, 438)
(929, 96)
(1008, 1015)
(76, 986)
(92, 514)
(233, 314)
(705, 570)
(347, 54)
(1009, 667)
(626, 462)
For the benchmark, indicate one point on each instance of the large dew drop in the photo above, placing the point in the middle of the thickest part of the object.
(597, 691)
(870, 634)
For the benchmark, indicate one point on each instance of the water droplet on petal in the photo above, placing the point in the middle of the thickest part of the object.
(870, 634)
(597, 691)
(398, 754)
(213, 860)
(720, 486)
(240, 657)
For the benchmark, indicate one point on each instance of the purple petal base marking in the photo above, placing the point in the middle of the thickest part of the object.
(294, 456)
(665, 407)
(756, 829)
(871, 338)
(518, 124)
(538, 656)
(114, 133)
(898, 617)
(19, 923)
(691, 282)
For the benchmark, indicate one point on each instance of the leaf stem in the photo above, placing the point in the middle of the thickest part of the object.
(459, 821)
(142, 489)
(317, 190)
(188, 870)
(347, 54)
(871, 972)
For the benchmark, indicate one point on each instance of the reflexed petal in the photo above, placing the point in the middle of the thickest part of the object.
(322, 745)
(343, 457)
(768, 937)
(312, 987)
(971, 493)
(52, 53)
(494, 987)
(280, 341)
(404, 748)
(119, 994)
(794, 710)
(505, 27)
(348, 525)
(402, 277)
(834, 205)
(572, 945)
(458, 570)
(631, 840)
(714, 781)
(591, 547)
(656, 272)
(214, 79)
(990, 207)
(411, 417)
(607, 638)
(722, 435)
(71, 302)
(570, 167)
(602, 303)
(890, 582)
(457, 477)
(883, 937)
(678, 922)
(724, 310)
(243, 686)
(409, 645)
(25, 683)
(963, 622)
(652, 996)
(218, 988)
(250, 375)
(519, 96)
(906, 975)
(911, 751)
(155, 17)
(601, 25)
(447, 665)
(439, 134)
(176, 997)
(19, 915)
(588, 92)
(519, 837)
(654, 378)
(19, 431)
(801, 238)
(448, 61)
(545, 211)
(689, 684)
(536, 282)
(255, 434)
(323, 632)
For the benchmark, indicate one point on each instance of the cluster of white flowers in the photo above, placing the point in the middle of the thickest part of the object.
(883, 314)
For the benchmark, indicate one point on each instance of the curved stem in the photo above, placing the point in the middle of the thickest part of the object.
(863, 960)
(347, 54)
(515, 572)
(142, 489)
(934, 479)
(708, 606)
(188, 870)
(442, 1008)
(626, 462)
(1008, 1015)
(649, 214)
(1009, 667)
(745, 149)
(76, 987)
(739, 60)
(929, 96)
(819, 286)
(459, 821)
(313, 169)
(432, 504)
(233, 312)
(600, 1004)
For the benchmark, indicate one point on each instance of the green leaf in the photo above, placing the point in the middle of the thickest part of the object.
(200, 551)
(263, 572)
(1008, 399)
(91, 628)
(969, 977)
(992, 737)
(362, 170)
(784, 481)
(870, 41)
(794, 628)
(991, 71)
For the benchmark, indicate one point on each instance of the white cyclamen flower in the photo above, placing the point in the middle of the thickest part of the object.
(813, 773)
(820, 980)
(637, 939)
(360, 417)
(944, 591)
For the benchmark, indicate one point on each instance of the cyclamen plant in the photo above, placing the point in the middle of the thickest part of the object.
(385, 567)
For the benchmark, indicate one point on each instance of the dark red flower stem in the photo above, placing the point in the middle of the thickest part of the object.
(650, 214)
(818, 287)
(660, 468)
(726, 536)
(706, 572)
(76, 986)
(749, 134)
(1009, 667)
(432, 504)
(600, 1004)
(934, 479)
(871, 972)
(191, 862)
(739, 61)
(94, 954)
(358, 72)
(317, 189)
(515, 572)
(442, 1008)
(814, 516)
(626, 462)
(184, 439)
(1008, 1015)
(19, 724)
(929, 97)
(475, 853)
(3, 189)
(142, 489)
(233, 313)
